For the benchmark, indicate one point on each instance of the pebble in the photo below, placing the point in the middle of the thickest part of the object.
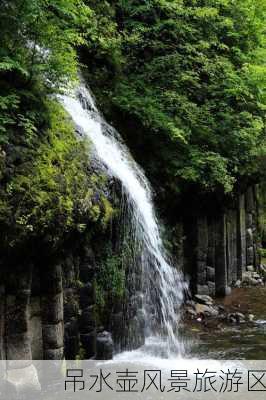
(238, 284)
(251, 317)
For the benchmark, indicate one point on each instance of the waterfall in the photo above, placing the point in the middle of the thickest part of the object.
(163, 285)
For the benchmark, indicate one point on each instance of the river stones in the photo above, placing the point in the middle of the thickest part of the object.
(251, 279)
(206, 310)
(236, 317)
(203, 299)
(250, 268)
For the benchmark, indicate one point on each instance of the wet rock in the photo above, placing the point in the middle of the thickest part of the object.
(237, 318)
(204, 299)
(237, 284)
(250, 268)
(190, 303)
(231, 318)
(251, 317)
(248, 280)
(227, 291)
(262, 270)
(141, 319)
(104, 346)
(206, 310)
(191, 312)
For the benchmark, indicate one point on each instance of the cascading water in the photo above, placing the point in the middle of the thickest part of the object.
(163, 285)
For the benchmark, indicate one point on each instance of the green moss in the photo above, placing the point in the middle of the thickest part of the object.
(109, 285)
(51, 193)
(108, 211)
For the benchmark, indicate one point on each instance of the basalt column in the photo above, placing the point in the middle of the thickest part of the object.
(52, 312)
(226, 245)
(241, 237)
(17, 335)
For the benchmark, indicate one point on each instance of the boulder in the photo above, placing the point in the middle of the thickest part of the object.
(248, 279)
(262, 269)
(206, 310)
(203, 299)
(227, 291)
(250, 268)
(191, 312)
(251, 317)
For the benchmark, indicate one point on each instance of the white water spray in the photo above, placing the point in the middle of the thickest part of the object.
(159, 276)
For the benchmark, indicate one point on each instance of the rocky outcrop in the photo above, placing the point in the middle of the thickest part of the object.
(48, 308)
(48, 312)
(220, 246)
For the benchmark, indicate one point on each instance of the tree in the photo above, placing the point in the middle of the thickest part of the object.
(190, 90)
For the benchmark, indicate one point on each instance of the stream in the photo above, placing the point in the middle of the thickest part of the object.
(244, 341)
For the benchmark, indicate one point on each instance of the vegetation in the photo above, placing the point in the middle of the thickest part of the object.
(50, 193)
(188, 76)
(47, 190)
(109, 284)
(184, 80)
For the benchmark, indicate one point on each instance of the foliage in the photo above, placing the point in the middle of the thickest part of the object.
(189, 88)
(52, 193)
(110, 282)
(37, 38)
(37, 54)
(47, 190)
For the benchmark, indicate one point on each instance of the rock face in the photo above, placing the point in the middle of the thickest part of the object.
(220, 244)
(48, 308)
(48, 311)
